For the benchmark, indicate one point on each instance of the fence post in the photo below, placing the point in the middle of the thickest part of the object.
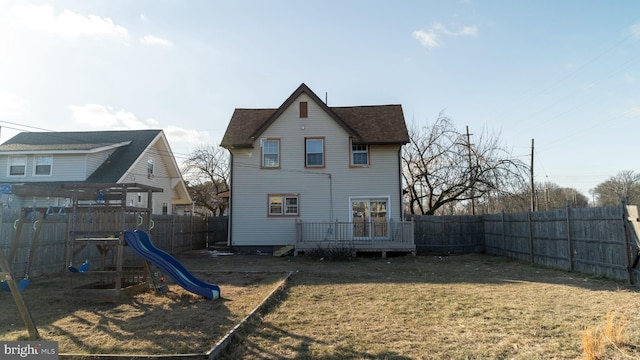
(530, 237)
(569, 239)
(504, 237)
(627, 236)
(173, 233)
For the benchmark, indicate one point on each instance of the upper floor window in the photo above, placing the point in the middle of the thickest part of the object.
(150, 169)
(359, 155)
(17, 165)
(314, 152)
(304, 108)
(42, 165)
(271, 153)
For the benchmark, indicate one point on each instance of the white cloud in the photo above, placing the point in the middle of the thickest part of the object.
(635, 30)
(178, 134)
(465, 31)
(154, 40)
(634, 112)
(11, 105)
(68, 23)
(100, 117)
(629, 78)
(427, 39)
(433, 37)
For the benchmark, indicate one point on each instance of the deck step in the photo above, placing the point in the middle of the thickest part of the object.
(285, 250)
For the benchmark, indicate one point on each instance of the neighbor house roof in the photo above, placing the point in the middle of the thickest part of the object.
(129, 144)
(375, 124)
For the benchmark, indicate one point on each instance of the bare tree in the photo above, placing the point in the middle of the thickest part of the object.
(441, 167)
(206, 172)
(549, 196)
(624, 185)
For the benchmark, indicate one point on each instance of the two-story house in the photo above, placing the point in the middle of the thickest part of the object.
(64, 159)
(309, 175)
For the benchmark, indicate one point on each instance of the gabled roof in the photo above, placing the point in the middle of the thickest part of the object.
(376, 124)
(129, 144)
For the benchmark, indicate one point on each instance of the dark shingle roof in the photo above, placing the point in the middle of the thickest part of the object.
(376, 124)
(111, 170)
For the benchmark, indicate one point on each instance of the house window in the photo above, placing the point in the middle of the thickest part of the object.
(359, 155)
(17, 165)
(304, 109)
(150, 169)
(42, 165)
(271, 153)
(283, 205)
(314, 152)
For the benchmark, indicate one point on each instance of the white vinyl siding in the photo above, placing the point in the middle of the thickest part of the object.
(316, 190)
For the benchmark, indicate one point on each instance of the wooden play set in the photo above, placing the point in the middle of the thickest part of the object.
(95, 249)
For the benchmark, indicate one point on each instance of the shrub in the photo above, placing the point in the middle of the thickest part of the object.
(332, 253)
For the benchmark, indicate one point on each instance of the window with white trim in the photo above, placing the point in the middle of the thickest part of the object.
(359, 155)
(42, 165)
(150, 169)
(271, 153)
(283, 205)
(314, 152)
(17, 165)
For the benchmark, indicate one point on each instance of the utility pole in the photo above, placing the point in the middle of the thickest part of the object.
(533, 190)
(473, 201)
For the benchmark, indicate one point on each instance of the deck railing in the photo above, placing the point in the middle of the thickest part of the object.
(372, 235)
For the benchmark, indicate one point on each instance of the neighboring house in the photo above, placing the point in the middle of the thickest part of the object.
(63, 159)
(334, 169)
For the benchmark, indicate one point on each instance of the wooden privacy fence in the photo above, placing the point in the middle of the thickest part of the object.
(172, 233)
(601, 241)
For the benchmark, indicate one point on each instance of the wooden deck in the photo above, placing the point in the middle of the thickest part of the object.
(382, 237)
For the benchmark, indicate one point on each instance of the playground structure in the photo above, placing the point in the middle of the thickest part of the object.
(98, 219)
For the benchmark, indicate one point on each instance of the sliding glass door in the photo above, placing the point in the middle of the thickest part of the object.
(369, 218)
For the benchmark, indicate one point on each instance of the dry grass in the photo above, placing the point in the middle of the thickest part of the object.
(613, 334)
(463, 307)
(469, 307)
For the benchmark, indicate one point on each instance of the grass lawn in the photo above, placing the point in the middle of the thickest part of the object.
(465, 307)
(424, 307)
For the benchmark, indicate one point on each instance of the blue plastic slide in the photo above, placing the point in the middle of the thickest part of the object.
(140, 242)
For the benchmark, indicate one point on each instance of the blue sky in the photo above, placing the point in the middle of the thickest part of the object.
(565, 73)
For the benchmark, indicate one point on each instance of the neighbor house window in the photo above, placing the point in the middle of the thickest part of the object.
(271, 153)
(314, 152)
(283, 205)
(359, 155)
(17, 165)
(304, 108)
(150, 169)
(42, 165)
